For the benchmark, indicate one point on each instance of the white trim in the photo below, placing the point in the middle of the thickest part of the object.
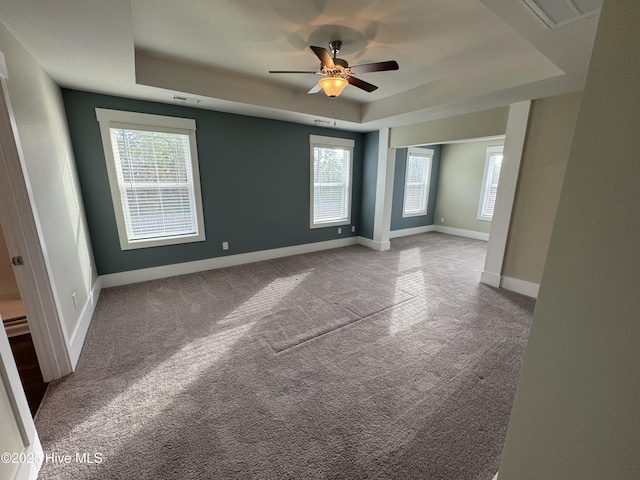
(329, 142)
(513, 147)
(109, 119)
(471, 140)
(374, 245)
(324, 141)
(17, 328)
(80, 332)
(384, 190)
(411, 231)
(495, 477)
(134, 276)
(490, 279)
(134, 118)
(459, 232)
(427, 154)
(153, 273)
(523, 287)
(516, 285)
(462, 233)
(19, 408)
(23, 235)
(491, 151)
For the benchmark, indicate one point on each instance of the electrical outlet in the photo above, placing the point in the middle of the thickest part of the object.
(75, 300)
(353, 229)
(339, 230)
(441, 219)
(225, 245)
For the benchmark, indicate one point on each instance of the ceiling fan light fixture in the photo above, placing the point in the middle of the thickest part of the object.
(333, 86)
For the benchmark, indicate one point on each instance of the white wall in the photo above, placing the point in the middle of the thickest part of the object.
(50, 168)
(577, 408)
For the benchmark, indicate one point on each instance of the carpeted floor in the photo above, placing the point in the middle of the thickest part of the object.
(343, 364)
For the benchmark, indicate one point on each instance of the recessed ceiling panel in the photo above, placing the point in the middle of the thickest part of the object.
(558, 12)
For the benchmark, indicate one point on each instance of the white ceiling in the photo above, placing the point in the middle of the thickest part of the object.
(455, 56)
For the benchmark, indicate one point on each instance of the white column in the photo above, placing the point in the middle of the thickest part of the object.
(384, 192)
(513, 147)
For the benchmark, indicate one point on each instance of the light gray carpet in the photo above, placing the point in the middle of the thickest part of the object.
(344, 364)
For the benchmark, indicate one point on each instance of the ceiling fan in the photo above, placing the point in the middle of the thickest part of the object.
(337, 73)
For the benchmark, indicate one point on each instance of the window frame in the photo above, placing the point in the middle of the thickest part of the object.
(330, 142)
(120, 119)
(427, 154)
(485, 188)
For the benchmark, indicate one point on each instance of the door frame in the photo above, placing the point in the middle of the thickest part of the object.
(31, 457)
(20, 224)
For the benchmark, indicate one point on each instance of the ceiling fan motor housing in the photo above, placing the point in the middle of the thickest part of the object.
(335, 46)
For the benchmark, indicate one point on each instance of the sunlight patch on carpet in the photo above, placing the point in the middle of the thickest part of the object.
(265, 300)
(154, 393)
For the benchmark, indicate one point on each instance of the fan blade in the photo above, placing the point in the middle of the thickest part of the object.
(356, 82)
(316, 88)
(324, 56)
(375, 67)
(291, 71)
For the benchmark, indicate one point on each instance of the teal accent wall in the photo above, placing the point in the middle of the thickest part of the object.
(254, 175)
(397, 222)
(369, 179)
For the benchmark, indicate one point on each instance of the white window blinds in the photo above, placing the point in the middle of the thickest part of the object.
(156, 183)
(153, 173)
(416, 185)
(331, 182)
(490, 183)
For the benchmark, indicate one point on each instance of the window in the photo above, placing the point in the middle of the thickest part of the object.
(153, 174)
(490, 183)
(331, 167)
(416, 182)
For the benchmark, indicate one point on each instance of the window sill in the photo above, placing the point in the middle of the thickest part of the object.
(337, 223)
(126, 244)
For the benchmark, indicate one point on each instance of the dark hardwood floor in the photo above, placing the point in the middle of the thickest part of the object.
(29, 370)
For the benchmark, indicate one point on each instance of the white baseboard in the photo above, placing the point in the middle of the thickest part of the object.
(520, 286)
(512, 284)
(80, 332)
(411, 231)
(495, 477)
(491, 279)
(379, 246)
(16, 328)
(462, 233)
(153, 273)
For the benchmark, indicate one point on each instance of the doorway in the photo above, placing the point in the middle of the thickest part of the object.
(16, 326)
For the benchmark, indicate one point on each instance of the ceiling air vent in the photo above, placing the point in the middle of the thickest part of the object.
(185, 100)
(554, 13)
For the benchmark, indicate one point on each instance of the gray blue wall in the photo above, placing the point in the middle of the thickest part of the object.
(369, 179)
(254, 174)
(397, 222)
